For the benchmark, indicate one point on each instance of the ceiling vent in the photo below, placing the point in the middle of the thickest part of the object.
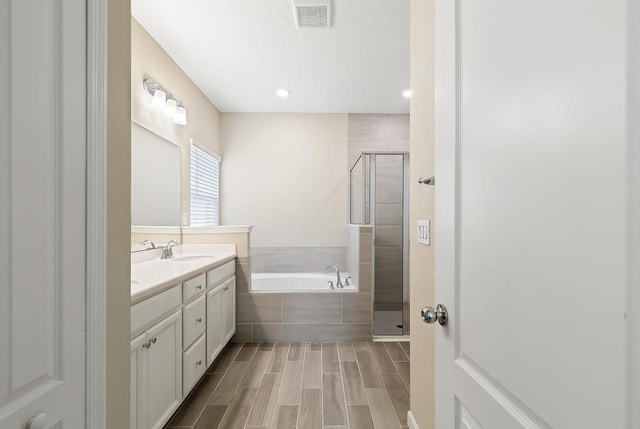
(312, 13)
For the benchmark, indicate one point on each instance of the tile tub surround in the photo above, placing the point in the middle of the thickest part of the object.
(297, 259)
(309, 316)
(303, 316)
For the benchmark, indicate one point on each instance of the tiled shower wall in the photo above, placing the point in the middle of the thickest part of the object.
(379, 133)
(310, 316)
(297, 259)
(389, 233)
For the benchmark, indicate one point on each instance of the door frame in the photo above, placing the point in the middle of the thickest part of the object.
(633, 210)
(96, 280)
(96, 212)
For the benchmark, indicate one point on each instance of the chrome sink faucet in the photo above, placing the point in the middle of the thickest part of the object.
(145, 242)
(167, 251)
(339, 283)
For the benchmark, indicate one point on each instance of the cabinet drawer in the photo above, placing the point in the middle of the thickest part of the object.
(220, 273)
(149, 310)
(192, 287)
(193, 364)
(193, 321)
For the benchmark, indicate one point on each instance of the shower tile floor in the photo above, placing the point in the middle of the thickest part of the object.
(359, 385)
(387, 322)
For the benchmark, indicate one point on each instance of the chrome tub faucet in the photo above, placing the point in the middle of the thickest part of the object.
(339, 283)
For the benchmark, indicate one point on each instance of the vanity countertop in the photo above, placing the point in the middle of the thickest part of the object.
(151, 275)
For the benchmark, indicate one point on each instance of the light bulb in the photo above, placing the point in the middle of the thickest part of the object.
(159, 99)
(181, 116)
(171, 108)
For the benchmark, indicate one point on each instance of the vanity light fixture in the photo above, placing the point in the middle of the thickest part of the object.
(406, 93)
(163, 101)
(283, 92)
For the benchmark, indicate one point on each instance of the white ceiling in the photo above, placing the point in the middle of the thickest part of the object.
(239, 51)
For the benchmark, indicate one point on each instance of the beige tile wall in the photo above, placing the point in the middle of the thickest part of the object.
(297, 259)
(376, 133)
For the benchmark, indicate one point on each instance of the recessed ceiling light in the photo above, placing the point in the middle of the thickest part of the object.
(406, 93)
(283, 92)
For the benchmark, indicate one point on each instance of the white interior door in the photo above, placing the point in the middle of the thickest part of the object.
(530, 214)
(42, 213)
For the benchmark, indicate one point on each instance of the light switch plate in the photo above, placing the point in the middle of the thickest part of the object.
(424, 232)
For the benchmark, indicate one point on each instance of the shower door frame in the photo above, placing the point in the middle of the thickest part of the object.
(369, 167)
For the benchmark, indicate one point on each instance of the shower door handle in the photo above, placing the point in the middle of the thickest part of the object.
(429, 315)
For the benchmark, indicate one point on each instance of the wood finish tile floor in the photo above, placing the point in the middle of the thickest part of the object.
(360, 385)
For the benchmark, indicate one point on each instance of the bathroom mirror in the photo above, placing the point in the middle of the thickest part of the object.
(155, 179)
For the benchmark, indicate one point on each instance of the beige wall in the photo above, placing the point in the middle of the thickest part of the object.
(149, 60)
(285, 174)
(422, 207)
(118, 215)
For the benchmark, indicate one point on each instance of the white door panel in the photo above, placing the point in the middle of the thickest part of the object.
(42, 212)
(530, 220)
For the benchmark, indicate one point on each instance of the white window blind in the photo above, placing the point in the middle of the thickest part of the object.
(205, 201)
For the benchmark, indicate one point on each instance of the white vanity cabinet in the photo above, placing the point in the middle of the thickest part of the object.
(176, 335)
(156, 373)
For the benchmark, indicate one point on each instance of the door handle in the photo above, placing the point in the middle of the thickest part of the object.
(429, 315)
(37, 422)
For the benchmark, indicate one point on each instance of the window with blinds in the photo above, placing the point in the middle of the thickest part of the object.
(205, 201)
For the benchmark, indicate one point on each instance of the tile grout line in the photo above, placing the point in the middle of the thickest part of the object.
(391, 402)
(321, 388)
(212, 392)
(304, 358)
(275, 407)
(237, 389)
(214, 389)
(344, 395)
(402, 379)
(264, 373)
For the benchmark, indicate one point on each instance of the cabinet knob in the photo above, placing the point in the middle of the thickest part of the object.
(199, 363)
(199, 319)
(199, 287)
(154, 339)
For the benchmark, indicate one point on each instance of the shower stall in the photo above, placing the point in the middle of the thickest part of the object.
(378, 196)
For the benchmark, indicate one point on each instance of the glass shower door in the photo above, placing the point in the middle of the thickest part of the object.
(378, 196)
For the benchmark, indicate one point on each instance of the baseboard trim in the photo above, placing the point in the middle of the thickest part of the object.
(412, 421)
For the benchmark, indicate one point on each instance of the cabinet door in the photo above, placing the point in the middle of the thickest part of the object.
(229, 310)
(163, 370)
(214, 324)
(136, 363)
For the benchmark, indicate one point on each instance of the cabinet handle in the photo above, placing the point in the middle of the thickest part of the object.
(199, 363)
(147, 344)
(199, 287)
(199, 319)
(154, 339)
